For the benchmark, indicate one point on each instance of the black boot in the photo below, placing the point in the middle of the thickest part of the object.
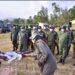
(63, 61)
(73, 64)
(60, 61)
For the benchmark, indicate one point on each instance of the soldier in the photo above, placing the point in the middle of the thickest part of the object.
(23, 39)
(45, 58)
(34, 29)
(71, 37)
(73, 43)
(42, 34)
(14, 40)
(46, 31)
(52, 39)
(64, 42)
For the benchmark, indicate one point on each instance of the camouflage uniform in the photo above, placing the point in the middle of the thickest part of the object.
(42, 34)
(23, 40)
(73, 42)
(64, 42)
(14, 40)
(46, 31)
(52, 39)
(71, 38)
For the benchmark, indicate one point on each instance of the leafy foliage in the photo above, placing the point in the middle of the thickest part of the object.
(59, 17)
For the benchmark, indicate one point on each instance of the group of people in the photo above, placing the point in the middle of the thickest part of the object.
(44, 42)
(61, 40)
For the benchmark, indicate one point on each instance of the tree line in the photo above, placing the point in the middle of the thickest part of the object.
(59, 16)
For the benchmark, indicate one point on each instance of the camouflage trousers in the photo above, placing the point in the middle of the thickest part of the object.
(63, 50)
(52, 47)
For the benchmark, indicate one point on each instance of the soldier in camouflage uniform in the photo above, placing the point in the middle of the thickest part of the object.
(34, 29)
(14, 39)
(71, 37)
(73, 42)
(42, 34)
(52, 39)
(23, 39)
(46, 31)
(64, 42)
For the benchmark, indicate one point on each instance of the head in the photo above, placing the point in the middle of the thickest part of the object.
(14, 27)
(44, 27)
(22, 29)
(63, 28)
(35, 36)
(34, 28)
(51, 28)
(29, 27)
(39, 28)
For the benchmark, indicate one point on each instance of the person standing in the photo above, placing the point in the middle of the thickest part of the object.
(42, 34)
(71, 37)
(52, 39)
(14, 35)
(46, 31)
(73, 43)
(64, 42)
(23, 39)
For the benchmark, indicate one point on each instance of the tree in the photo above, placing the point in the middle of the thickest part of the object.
(42, 15)
(1, 22)
(18, 21)
(30, 20)
(72, 13)
(6, 21)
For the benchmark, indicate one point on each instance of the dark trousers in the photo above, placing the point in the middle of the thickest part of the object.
(15, 45)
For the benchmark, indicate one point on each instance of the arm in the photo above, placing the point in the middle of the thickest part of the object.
(43, 54)
(28, 54)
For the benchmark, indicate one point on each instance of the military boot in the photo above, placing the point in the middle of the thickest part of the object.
(60, 61)
(63, 61)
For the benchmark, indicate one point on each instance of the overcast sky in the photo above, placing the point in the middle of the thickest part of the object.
(24, 9)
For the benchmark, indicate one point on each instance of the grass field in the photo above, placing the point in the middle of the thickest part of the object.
(28, 66)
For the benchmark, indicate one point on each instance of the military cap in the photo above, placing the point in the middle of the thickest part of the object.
(52, 27)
